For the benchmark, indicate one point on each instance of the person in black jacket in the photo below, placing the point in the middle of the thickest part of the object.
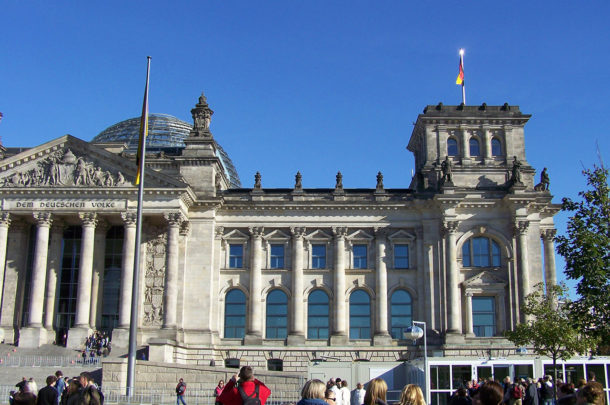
(48, 395)
(531, 393)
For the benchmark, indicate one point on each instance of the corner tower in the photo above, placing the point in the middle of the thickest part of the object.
(473, 147)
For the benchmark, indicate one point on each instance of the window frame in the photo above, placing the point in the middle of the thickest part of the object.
(394, 256)
(360, 258)
(231, 256)
(277, 262)
(500, 145)
(276, 316)
(313, 257)
(226, 315)
(327, 316)
(469, 260)
(457, 147)
(494, 313)
(353, 317)
(474, 141)
(392, 316)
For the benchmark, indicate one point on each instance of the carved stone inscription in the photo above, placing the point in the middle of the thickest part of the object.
(64, 168)
(154, 280)
(64, 204)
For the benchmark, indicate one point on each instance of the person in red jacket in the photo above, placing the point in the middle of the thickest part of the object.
(248, 385)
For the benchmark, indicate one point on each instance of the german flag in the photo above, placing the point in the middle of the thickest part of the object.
(460, 77)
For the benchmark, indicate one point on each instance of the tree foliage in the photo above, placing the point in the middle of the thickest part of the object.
(586, 249)
(549, 329)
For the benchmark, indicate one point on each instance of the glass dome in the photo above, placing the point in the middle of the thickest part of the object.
(164, 132)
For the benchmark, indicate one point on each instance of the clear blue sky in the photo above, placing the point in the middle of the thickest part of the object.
(315, 86)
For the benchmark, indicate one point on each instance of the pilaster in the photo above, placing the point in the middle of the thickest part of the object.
(339, 334)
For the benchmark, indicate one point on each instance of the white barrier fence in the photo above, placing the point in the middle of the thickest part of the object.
(49, 361)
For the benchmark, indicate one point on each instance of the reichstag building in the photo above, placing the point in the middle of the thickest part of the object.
(276, 278)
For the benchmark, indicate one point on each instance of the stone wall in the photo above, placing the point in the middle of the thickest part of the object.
(164, 377)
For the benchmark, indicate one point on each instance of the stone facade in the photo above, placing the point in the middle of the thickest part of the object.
(468, 227)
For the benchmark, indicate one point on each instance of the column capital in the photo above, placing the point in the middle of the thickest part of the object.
(219, 232)
(339, 232)
(88, 218)
(380, 233)
(43, 218)
(520, 227)
(256, 231)
(469, 294)
(129, 218)
(450, 227)
(548, 235)
(185, 228)
(174, 218)
(419, 232)
(298, 232)
(5, 218)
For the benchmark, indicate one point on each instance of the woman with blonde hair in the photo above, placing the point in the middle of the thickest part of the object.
(411, 395)
(313, 393)
(375, 392)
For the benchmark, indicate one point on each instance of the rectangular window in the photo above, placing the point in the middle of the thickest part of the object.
(236, 256)
(484, 316)
(359, 252)
(401, 256)
(318, 257)
(277, 256)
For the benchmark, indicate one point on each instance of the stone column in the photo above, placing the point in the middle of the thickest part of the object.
(255, 320)
(548, 237)
(339, 335)
(382, 336)
(297, 329)
(422, 290)
(465, 145)
(120, 336)
(453, 288)
(469, 319)
(39, 268)
(174, 220)
(99, 264)
(13, 267)
(53, 271)
(523, 271)
(487, 135)
(34, 335)
(5, 221)
(501, 305)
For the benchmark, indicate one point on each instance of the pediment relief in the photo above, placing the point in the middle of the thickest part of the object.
(319, 234)
(401, 234)
(71, 162)
(484, 278)
(277, 234)
(359, 235)
(235, 234)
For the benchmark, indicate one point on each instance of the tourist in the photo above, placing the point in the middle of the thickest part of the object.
(180, 391)
(71, 394)
(345, 393)
(89, 393)
(490, 393)
(48, 395)
(218, 390)
(461, 398)
(234, 393)
(26, 396)
(313, 393)
(591, 394)
(60, 384)
(546, 391)
(337, 390)
(566, 395)
(330, 397)
(411, 395)
(357, 396)
(376, 392)
(531, 393)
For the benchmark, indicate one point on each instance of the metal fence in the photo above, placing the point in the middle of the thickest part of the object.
(155, 397)
(49, 361)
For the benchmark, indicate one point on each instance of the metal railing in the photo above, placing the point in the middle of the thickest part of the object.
(49, 361)
(157, 397)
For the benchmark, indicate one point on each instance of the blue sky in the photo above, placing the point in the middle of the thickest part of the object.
(314, 86)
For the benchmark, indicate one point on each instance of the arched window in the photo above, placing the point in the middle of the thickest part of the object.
(359, 315)
(235, 314)
(317, 315)
(481, 252)
(401, 313)
(452, 147)
(496, 147)
(474, 147)
(277, 315)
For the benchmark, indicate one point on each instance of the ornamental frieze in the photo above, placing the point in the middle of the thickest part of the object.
(63, 168)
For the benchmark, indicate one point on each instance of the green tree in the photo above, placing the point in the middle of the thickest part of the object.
(549, 331)
(586, 249)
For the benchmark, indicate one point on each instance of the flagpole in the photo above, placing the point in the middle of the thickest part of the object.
(133, 322)
(463, 82)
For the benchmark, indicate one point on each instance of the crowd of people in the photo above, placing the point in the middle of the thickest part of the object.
(244, 389)
(59, 390)
(97, 344)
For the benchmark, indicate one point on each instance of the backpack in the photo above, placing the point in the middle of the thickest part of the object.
(516, 392)
(249, 400)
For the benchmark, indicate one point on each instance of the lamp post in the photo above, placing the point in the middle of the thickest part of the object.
(414, 333)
